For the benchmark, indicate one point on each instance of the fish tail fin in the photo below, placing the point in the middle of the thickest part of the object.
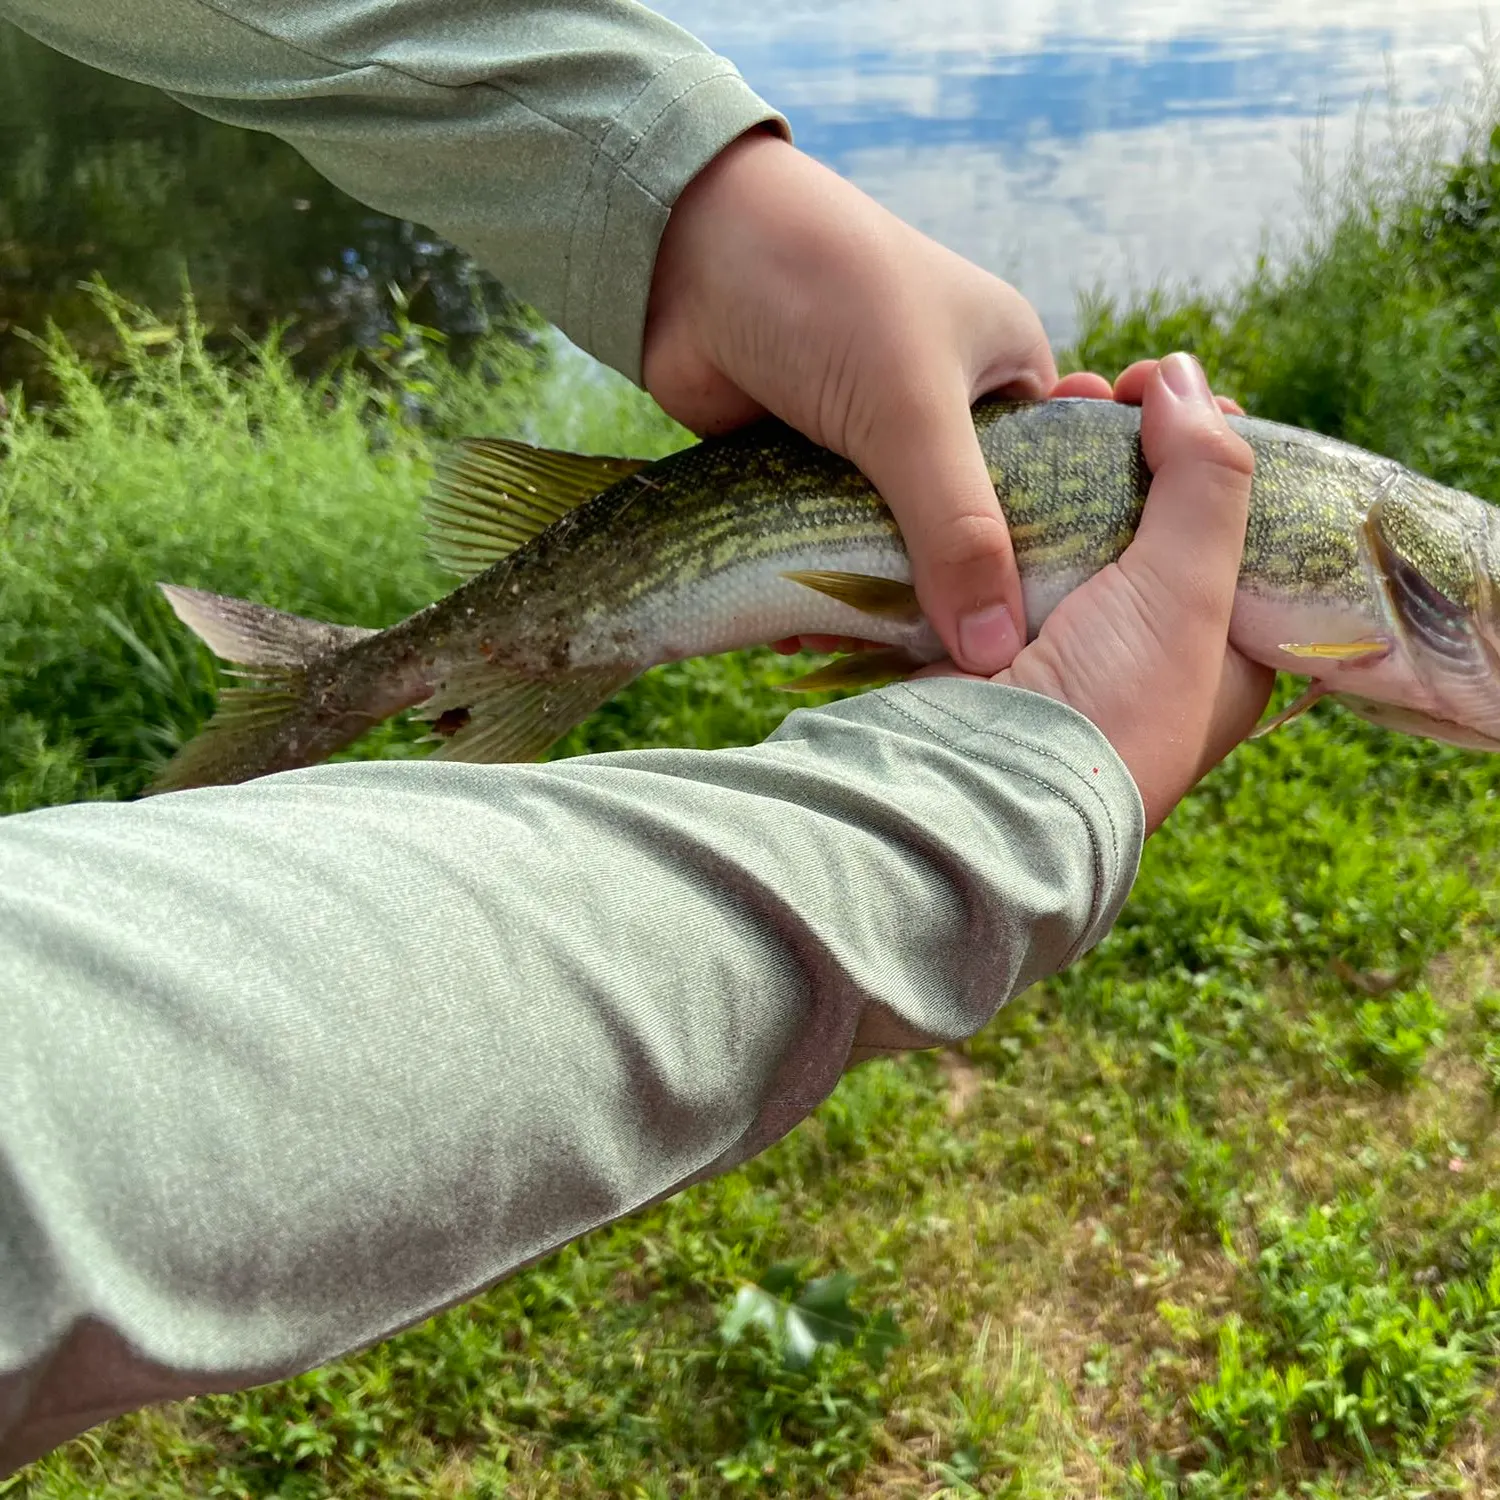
(270, 721)
(255, 635)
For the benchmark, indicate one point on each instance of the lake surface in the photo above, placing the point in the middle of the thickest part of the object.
(1064, 144)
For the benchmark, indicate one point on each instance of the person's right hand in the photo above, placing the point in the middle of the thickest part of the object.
(1142, 648)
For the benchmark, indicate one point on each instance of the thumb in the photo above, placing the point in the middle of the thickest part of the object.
(1192, 532)
(929, 470)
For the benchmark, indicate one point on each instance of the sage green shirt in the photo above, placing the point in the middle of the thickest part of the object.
(289, 1066)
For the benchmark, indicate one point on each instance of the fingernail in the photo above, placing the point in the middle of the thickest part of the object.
(1185, 378)
(988, 639)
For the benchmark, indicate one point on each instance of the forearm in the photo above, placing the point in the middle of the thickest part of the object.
(291, 1066)
(548, 140)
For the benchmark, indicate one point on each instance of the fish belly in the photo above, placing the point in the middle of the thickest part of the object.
(1263, 624)
(752, 604)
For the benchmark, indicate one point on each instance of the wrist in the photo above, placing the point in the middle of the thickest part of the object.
(766, 254)
(723, 202)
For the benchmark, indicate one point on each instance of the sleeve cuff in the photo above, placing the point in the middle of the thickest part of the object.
(679, 122)
(1064, 755)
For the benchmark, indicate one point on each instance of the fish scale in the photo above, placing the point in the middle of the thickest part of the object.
(1376, 583)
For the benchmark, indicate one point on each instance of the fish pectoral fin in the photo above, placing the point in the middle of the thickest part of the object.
(859, 669)
(1364, 652)
(493, 495)
(886, 598)
(495, 717)
(1294, 710)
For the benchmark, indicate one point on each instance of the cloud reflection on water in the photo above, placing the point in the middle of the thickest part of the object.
(1067, 144)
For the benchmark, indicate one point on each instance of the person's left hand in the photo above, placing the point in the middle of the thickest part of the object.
(1142, 647)
(1127, 388)
(780, 287)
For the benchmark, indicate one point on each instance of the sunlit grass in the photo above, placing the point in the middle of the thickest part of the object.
(1208, 1216)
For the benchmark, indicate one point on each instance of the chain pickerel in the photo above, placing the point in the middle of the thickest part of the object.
(582, 572)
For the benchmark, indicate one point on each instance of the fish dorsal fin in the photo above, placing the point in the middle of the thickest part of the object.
(886, 598)
(493, 495)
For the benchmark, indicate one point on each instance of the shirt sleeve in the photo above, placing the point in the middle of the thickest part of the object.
(290, 1066)
(548, 140)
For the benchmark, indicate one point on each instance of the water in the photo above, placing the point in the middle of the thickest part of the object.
(1071, 144)
(1064, 144)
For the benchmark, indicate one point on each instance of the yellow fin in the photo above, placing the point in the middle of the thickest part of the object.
(1293, 710)
(859, 669)
(884, 597)
(492, 495)
(492, 717)
(1338, 650)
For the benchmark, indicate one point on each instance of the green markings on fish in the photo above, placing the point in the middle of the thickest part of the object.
(583, 572)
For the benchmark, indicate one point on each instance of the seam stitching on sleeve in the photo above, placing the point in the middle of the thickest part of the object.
(597, 147)
(1059, 791)
(225, 13)
(622, 166)
(1042, 750)
(724, 69)
(220, 9)
(1100, 878)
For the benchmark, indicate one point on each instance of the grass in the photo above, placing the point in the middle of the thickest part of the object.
(1210, 1215)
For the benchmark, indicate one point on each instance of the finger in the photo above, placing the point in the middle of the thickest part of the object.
(932, 475)
(1084, 383)
(1192, 531)
(1130, 384)
(1244, 690)
(1010, 353)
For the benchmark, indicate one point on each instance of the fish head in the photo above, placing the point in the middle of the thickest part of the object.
(1433, 555)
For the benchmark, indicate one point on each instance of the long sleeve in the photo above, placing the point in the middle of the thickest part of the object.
(547, 139)
(287, 1067)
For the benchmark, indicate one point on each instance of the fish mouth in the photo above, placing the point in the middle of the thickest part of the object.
(1453, 647)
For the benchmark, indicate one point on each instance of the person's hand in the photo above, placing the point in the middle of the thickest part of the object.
(780, 287)
(1142, 648)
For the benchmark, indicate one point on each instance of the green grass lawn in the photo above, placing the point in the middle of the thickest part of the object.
(1207, 1216)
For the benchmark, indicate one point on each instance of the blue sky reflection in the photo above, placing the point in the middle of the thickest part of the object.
(1067, 144)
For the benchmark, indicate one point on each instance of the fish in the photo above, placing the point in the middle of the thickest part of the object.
(581, 572)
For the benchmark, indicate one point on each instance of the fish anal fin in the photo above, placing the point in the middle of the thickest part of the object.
(886, 598)
(1362, 653)
(512, 718)
(1293, 710)
(859, 669)
(255, 635)
(493, 495)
